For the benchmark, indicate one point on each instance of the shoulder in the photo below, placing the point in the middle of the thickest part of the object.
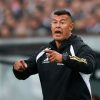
(37, 52)
(79, 45)
(78, 42)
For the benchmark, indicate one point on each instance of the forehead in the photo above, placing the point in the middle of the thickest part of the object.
(60, 17)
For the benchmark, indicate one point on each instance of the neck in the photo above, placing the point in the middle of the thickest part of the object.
(58, 43)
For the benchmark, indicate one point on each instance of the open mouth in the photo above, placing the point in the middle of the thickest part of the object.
(58, 32)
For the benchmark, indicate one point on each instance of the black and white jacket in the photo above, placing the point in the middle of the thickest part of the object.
(63, 81)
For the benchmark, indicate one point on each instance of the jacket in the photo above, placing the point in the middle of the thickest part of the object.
(63, 81)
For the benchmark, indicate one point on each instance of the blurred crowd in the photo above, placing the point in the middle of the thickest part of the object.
(30, 18)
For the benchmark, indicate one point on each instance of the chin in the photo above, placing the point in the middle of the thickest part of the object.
(58, 39)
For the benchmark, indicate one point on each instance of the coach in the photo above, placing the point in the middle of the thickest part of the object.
(65, 66)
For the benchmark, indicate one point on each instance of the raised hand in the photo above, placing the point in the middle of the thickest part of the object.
(53, 56)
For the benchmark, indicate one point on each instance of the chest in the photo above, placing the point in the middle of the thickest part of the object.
(51, 71)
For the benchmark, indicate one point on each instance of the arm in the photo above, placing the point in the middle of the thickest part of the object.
(84, 61)
(24, 68)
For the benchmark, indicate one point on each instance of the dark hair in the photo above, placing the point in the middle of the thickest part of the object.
(62, 12)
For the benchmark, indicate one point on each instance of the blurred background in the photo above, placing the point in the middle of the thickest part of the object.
(25, 26)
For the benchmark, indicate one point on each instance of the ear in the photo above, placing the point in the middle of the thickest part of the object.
(71, 26)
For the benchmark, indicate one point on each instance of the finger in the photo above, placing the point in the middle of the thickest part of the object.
(24, 65)
(48, 51)
(51, 59)
(48, 55)
(19, 65)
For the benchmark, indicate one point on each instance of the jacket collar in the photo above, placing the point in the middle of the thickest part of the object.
(65, 43)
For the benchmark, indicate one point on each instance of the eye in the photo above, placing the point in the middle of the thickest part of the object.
(63, 22)
(54, 22)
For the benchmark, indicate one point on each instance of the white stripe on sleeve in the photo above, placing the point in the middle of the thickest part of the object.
(39, 55)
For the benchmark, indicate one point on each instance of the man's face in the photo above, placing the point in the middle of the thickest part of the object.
(61, 27)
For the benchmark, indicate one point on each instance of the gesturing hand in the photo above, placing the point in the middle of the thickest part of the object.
(20, 65)
(53, 56)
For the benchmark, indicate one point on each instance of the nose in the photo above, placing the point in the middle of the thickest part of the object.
(58, 25)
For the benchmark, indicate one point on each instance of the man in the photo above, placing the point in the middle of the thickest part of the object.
(65, 66)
